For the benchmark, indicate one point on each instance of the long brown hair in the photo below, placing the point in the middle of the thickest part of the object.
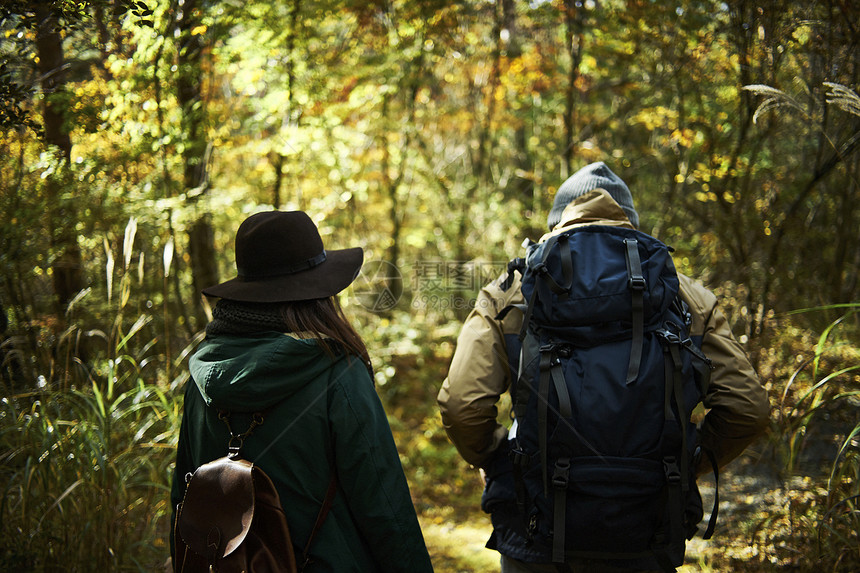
(324, 319)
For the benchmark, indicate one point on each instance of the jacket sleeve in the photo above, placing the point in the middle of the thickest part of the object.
(736, 402)
(371, 475)
(479, 374)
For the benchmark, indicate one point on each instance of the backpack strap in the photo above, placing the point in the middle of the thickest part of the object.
(504, 312)
(636, 283)
(712, 522)
(543, 408)
(678, 392)
(237, 440)
(559, 511)
(323, 513)
(701, 364)
(550, 371)
(675, 466)
(519, 265)
(547, 282)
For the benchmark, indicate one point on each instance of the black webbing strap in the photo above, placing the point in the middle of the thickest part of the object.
(679, 401)
(677, 476)
(564, 408)
(518, 265)
(712, 522)
(528, 314)
(543, 405)
(675, 498)
(566, 266)
(505, 310)
(522, 388)
(701, 364)
(636, 282)
(544, 282)
(561, 471)
(669, 370)
(559, 487)
(520, 460)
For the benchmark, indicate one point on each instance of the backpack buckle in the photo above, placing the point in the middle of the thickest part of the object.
(519, 458)
(560, 475)
(636, 283)
(669, 336)
(547, 348)
(672, 471)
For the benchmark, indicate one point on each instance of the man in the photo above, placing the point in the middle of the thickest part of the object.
(480, 372)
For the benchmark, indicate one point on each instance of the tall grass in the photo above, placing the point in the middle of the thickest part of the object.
(820, 524)
(85, 478)
(86, 449)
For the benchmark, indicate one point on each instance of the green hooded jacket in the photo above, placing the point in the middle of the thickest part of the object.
(321, 415)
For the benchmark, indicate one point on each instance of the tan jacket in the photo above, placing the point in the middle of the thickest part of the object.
(736, 402)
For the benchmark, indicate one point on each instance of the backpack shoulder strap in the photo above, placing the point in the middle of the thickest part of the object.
(514, 265)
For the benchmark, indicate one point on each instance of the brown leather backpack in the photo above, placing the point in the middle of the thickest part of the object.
(231, 518)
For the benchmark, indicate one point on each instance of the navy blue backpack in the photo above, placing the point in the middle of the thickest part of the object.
(604, 452)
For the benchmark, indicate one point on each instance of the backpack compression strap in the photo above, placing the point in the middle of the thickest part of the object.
(636, 282)
(550, 370)
(677, 474)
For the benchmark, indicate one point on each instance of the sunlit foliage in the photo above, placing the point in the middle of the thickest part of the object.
(434, 135)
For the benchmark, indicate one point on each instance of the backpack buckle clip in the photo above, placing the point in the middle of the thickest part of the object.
(673, 472)
(669, 336)
(560, 475)
(233, 447)
(636, 282)
(519, 458)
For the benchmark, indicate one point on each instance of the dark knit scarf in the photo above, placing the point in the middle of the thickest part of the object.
(232, 317)
(245, 318)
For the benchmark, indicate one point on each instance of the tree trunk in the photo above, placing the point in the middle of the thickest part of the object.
(293, 112)
(574, 49)
(66, 265)
(201, 247)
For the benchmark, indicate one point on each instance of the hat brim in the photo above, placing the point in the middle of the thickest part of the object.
(338, 271)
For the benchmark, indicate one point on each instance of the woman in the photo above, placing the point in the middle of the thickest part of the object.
(280, 346)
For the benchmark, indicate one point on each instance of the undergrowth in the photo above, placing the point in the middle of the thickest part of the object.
(89, 422)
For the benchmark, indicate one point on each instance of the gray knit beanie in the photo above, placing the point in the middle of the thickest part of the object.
(594, 176)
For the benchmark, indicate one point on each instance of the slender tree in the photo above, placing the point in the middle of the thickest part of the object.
(66, 266)
(189, 83)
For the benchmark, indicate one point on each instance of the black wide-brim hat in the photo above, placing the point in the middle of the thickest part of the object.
(280, 258)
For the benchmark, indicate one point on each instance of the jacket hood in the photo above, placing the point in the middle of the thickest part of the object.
(596, 207)
(245, 373)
